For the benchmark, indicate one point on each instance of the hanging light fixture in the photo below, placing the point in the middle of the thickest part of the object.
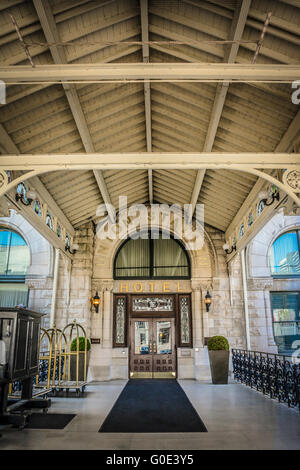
(96, 302)
(207, 301)
(269, 197)
(26, 199)
(227, 248)
(72, 249)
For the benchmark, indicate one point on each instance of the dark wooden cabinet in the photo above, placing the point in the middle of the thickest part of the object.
(20, 335)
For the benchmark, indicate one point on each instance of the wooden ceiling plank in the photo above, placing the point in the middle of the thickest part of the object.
(49, 27)
(147, 88)
(237, 28)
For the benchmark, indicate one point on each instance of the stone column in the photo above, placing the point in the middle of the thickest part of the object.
(197, 315)
(200, 330)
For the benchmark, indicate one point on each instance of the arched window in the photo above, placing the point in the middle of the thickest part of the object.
(285, 255)
(14, 254)
(152, 259)
(14, 263)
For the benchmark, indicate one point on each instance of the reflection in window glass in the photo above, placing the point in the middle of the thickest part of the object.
(285, 255)
(260, 207)
(14, 254)
(37, 207)
(241, 232)
(141, 337)
(49, 220)
(163, 337)
(286, 320)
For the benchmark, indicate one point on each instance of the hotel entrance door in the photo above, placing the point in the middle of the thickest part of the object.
(152, 348)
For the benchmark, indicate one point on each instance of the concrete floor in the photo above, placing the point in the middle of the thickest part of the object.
(236, 418)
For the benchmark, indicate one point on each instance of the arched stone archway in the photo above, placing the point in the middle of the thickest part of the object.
(39, 275)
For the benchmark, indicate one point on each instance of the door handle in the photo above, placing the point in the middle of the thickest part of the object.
(154, 347)
(150, 346)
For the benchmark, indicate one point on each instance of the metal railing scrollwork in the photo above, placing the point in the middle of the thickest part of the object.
(275, 375)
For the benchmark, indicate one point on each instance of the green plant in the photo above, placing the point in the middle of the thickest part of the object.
(217, 343)
(81, 344)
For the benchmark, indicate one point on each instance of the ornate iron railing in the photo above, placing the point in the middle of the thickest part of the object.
(274, 375)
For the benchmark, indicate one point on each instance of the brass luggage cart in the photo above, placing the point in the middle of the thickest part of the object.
(73, 346)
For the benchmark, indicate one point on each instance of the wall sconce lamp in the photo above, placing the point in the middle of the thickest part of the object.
(227, 248)
(95, 301)
(72, 249)
(26, 199)
(264, 196)
(207, 301)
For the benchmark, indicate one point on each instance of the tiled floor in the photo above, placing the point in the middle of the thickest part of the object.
(236, 418)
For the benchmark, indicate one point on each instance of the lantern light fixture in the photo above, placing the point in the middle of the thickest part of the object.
(72, 249)
(265, 196)
(96, 301)
(207, 301)
(27, 199)
(227, 248)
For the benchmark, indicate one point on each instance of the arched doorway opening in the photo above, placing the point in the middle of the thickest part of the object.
(152, 325)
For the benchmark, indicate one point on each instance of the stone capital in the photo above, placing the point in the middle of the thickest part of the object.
(201, 284)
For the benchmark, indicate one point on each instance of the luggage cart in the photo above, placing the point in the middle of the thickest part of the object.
(75, 352)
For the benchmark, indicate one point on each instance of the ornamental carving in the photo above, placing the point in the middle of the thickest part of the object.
(292, 179)
(3, 179)
(152, 304)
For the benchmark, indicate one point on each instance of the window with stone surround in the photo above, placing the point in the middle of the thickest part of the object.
(14, 263)
(284, 256)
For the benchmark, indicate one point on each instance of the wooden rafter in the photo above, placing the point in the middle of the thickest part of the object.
(156, 160)
(147, 89)
(275, 73)
(238, 25)
(48, 24)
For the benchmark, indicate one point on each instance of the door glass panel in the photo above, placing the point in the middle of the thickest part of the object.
(184, 320)
(141, 337)
(163, 337)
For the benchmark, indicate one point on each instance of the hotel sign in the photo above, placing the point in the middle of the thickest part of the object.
(139, 287)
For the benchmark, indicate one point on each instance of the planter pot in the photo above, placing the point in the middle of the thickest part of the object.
(219, 366)
(80, 367)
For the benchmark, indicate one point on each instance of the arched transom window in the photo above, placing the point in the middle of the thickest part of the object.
(152, 259)
(285, 255)
(14, 254)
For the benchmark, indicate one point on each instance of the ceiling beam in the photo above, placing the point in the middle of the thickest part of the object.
(152, 71)
(11, 148)
(49, 27)
(147, 89)
(155, 160)
(237, 28)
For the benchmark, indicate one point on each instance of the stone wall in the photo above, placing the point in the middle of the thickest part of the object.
(92, 269)
(260, 282)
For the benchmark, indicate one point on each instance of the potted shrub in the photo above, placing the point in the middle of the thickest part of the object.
(81, 358)
(218, 351)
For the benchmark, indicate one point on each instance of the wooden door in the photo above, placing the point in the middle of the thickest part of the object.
(141, 362)
(164, 354)
(152, 348)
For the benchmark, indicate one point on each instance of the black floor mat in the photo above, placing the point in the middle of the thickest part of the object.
(147, 405)
(49, 420)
